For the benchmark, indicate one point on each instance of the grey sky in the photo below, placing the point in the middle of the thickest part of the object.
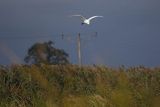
(128, 34)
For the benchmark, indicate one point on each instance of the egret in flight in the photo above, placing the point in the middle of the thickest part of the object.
(85, 20)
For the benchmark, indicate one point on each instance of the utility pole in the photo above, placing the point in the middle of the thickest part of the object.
(79, 50)
(79, 46)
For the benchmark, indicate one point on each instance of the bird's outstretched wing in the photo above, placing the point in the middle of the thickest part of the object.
(82, 18)
(93, 17)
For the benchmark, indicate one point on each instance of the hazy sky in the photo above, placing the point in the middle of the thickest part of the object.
(129, 33)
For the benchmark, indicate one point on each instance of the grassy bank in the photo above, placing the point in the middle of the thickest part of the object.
(69, 86)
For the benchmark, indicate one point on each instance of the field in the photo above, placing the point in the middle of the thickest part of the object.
(70, 86)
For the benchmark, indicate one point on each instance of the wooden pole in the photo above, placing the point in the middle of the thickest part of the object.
(79, 50)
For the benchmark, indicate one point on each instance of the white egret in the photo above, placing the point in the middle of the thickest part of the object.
(85, 20)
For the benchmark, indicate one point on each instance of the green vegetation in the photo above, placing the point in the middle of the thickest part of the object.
(69, 86)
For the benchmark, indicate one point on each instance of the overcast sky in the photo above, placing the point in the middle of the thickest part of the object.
(128, 34)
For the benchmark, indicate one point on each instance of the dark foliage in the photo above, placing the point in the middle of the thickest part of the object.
(46, 53)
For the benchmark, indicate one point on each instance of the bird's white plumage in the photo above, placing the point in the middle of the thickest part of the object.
(93, 17)
(85, 20)
(82, 18)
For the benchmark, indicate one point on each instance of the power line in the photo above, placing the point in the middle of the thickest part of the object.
(28, 36)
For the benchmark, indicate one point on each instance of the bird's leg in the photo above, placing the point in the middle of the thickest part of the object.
(82, 23)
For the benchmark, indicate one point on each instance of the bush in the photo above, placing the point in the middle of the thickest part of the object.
(68, 85)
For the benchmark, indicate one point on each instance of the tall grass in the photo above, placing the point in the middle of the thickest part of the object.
(69, 86)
